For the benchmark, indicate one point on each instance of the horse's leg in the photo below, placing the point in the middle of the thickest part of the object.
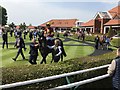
(43, 60)
(61, 57)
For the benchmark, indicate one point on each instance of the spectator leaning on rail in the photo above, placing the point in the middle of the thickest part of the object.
(114, 71)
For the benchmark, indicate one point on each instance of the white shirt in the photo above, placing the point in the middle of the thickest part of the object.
(59, 48)
(111, 68)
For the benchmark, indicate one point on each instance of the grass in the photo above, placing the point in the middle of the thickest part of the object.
(72, 52)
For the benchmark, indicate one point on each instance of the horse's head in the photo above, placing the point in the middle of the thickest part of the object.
(42, 41)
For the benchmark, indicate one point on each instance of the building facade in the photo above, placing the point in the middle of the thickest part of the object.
(103, 21)
(62, 24)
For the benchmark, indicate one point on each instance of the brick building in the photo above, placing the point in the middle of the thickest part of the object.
(103, 21)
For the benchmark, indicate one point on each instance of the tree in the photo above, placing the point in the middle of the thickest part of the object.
(22, 26)
(111, 32)
(3, 16)
(12, 25)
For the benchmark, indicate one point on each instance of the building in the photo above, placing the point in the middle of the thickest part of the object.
(102, 21)
(62, 24)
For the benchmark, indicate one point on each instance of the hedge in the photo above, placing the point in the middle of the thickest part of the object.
(90, 38)
(115, 42)
(29, 72)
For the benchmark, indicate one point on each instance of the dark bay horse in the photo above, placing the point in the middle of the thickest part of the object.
(44, 50)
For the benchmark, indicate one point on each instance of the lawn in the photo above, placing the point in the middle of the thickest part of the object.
(73, 49)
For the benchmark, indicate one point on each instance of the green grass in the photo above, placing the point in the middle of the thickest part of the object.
(72, 52)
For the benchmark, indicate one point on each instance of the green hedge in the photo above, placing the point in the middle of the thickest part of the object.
(29, 72)
(87, 37)
(90, 38)
(115, 42)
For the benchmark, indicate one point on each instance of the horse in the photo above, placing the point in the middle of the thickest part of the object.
(44, 50)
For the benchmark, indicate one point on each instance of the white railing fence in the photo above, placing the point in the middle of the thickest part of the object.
(60, 76)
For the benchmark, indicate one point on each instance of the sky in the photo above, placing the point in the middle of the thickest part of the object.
(36, 12)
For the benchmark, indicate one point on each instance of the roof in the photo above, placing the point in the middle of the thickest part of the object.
(89, 23)
(115, 11)
(17, 27)
(31, 27)
(104, 15)
(61, 23)
(113, 22)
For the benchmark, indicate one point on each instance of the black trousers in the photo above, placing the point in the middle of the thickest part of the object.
(20, 51)
(5, 42)
(33, 59)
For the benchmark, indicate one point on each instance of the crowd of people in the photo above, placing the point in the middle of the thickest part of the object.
(47, 32)
(102, 42)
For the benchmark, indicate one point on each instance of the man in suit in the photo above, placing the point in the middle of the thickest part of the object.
(19, 44)
(5, 38)
(33, 51)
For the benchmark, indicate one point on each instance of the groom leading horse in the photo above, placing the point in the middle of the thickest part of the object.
(46, 39)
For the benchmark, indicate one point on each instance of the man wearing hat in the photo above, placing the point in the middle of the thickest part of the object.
(49, 34)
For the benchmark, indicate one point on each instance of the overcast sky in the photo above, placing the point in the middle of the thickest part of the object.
(36, 12)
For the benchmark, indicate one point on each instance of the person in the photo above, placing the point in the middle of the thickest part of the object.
(49, 34)
(5, 38)
(35, 33)
(83, 36)
(33, 51)
(79, 35)
(114, 71)
(107, 41)
(19, 44)
(57, 50)
(97, 41)
(30, 35)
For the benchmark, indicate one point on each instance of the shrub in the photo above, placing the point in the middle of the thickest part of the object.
(90, 38)
(115, 42)
(111, 32)
(17, 74)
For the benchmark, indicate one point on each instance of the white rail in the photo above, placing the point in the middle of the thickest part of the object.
(49, 78)
(80, 83)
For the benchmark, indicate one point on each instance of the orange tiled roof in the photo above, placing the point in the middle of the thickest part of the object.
(61, 23)
(31, 27)
(89, 23)
(115, 10)
(17, 27)
(113, 22)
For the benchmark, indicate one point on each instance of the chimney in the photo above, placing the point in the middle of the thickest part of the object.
(119, 3)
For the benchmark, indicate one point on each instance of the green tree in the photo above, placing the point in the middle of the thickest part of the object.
(111, 32)
(3, 16)
(22, 26)
(12, 25)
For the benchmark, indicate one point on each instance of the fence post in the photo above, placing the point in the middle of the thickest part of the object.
(68, 81)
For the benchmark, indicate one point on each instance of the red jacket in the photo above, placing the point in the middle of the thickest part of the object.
(49, 32)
